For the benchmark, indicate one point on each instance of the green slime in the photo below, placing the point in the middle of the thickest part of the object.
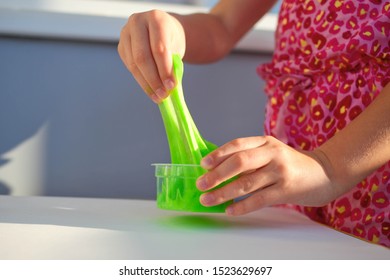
(186, 146)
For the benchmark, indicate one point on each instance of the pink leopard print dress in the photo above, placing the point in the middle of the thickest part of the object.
(331, 59)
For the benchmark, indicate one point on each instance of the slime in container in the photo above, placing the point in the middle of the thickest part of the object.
(176, 182)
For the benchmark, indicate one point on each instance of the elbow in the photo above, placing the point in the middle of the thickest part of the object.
(211, 45)
(211, 51)
(222, 42)
(222, 47)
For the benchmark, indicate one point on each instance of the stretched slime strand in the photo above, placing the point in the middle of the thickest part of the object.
(186, 146)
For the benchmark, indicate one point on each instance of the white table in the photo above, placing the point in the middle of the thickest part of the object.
(85, 228)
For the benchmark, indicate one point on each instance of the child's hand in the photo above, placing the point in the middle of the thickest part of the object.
(146, 45)
(270, 171)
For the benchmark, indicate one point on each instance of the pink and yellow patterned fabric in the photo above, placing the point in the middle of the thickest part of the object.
(331, 59)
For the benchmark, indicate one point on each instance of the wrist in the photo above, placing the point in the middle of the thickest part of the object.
(338, 183)
(340, 180)
(321, 157)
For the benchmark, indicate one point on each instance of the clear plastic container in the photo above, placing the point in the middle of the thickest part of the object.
(176, 188)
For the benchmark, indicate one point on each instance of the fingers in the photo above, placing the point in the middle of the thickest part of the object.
(160, 46)
(216, 157)
(124, 50)
(143, 61)
(234, 158)
(246, 184)
(262, 190)
(260, 175)
(263, 198)
(144, 48)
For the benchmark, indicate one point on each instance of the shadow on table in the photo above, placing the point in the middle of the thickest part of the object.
(192, 221)
(4, 190)
(195, 222)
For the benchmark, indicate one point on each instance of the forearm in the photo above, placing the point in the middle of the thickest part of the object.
(206, 38)
(361, 147)
(212, 35)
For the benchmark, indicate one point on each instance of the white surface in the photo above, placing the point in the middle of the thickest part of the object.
(102, 20)
(27, 158)
(80, 228)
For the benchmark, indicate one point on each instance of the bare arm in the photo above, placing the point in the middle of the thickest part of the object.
(149, 39)
(211, 36)
(274, 173)
(362, 146)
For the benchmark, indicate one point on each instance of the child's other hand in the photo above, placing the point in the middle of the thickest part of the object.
(147, 43)
(270, 171)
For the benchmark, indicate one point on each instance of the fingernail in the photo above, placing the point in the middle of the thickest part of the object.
(161, 93)
(229, 210)
(206, 162)
(201, 183)
(207, 199)
(169, 84)
(154, 98)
